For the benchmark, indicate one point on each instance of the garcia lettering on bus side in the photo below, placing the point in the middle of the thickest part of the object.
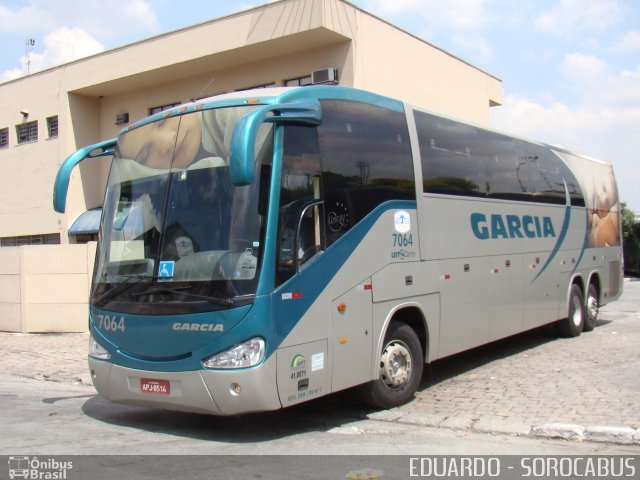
(511, 226)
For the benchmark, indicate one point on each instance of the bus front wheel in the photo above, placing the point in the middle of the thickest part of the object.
(401, 363)
(573, 324)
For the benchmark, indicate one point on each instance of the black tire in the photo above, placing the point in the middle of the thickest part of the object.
(591, 309)
(399, 380)
(572, 325)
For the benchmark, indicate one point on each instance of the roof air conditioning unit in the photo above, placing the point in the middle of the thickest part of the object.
(326, 75)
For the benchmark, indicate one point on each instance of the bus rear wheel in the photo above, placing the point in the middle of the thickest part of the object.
(572, 325)
(401, 363)
(592, 305)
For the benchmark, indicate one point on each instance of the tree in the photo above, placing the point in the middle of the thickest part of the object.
(630, 239)
(628, 218)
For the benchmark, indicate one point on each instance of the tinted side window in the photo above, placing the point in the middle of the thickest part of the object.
(501, 156)
(546, 175)
(366, 160)
(459, 159)
(449, 157)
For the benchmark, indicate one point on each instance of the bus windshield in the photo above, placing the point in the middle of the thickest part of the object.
(177, 236)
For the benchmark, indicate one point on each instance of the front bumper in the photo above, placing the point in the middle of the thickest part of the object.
(215, 392)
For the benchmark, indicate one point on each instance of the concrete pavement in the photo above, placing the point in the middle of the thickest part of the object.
(585, 388)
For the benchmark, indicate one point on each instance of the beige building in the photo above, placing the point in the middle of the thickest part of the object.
(47, 115)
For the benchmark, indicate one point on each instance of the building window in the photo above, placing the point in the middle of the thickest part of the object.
(27, 132)
(162, 108)
(52, 126)
(298, 82)
(43, 239)
(4, 137)
(265, 85)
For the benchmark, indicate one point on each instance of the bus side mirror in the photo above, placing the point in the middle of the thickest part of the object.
(245, 134)
(61, 185)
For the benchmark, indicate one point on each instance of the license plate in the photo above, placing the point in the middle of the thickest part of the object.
(158, 387)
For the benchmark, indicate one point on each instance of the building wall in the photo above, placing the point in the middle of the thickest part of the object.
(89, 188)
(394, 63)
(268, 44)
(27, 170)
(45, 288)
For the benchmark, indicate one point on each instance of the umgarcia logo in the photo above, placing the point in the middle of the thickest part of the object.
(511, 226)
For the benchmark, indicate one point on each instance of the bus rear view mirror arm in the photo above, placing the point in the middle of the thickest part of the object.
(244, 136)
(61, 184)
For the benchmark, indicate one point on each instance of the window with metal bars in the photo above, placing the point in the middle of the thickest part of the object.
(52, 126)
(4, 137)
(42, 239)
(298, 82)
(27, 132)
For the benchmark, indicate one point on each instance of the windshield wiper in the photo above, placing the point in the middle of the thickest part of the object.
(223, 302)
(121, 287)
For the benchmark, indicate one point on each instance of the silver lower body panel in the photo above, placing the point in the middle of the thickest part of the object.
(215, 392)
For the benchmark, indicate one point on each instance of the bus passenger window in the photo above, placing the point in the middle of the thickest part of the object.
(366, 160)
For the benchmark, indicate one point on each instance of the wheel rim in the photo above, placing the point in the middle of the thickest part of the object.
(395, 364)
(592, 308)
(576, 316)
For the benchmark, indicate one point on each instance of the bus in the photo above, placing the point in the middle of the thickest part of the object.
(263, 248)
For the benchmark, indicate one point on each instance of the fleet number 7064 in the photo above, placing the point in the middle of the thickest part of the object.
(110, 323)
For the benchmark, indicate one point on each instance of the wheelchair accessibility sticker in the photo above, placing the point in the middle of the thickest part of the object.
(165, 272)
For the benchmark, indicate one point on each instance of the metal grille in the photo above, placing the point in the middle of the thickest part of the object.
(52, 126)
(27, 132)
(4, 137)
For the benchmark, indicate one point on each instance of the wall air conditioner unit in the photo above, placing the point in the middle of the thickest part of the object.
(326, 75)
(122, 118)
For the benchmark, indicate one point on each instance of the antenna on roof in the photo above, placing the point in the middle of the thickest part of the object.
(29, 43)
(203, 89)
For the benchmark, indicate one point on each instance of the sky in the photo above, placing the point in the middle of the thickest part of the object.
(570, 68)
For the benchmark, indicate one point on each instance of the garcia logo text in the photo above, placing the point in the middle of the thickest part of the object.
(511, 226)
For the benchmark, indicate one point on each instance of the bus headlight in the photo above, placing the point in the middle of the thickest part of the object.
(247, 354)
(97, 351)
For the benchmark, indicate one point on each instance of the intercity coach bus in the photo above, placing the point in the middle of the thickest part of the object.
(263, 248)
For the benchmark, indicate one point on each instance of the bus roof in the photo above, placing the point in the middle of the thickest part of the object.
(277, 95)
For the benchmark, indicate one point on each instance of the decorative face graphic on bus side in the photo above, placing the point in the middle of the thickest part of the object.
(511, 226)
(601, 198)
(604, 217)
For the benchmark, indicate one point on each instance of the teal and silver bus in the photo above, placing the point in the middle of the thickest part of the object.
(263, 248)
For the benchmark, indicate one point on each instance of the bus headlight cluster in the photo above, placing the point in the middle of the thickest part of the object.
(97, 351)
(247, 354)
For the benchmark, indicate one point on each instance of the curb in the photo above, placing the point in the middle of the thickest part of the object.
(604, 434)
(505, 426)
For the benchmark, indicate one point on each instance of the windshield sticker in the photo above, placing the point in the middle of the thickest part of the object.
(184, 246)
(167, 267)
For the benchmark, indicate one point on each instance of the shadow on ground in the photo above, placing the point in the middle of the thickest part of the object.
(316, 416)
(319, 415)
